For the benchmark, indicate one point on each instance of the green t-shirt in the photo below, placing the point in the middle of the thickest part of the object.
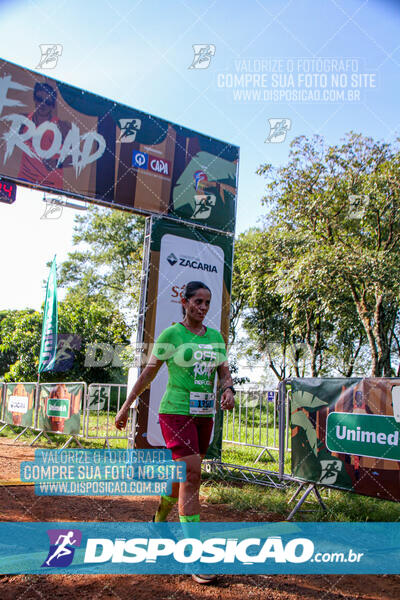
(192, 361)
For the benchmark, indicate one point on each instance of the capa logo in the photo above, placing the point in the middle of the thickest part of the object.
(62, 547)
(172, 259)
(159, 165)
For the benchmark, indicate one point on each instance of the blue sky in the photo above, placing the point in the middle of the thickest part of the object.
(138, 53)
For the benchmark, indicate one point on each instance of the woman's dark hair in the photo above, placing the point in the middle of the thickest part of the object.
(190, 290)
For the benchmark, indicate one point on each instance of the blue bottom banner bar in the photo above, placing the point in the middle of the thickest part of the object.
(245, 548)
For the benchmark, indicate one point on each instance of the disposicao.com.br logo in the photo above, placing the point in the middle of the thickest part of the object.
(192, 550)
(184, 551)
(213, 551)
(233, 552)
(224, 548)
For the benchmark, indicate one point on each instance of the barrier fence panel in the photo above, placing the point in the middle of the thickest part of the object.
(19, 405)
(254, 421)
(58, 409)
(103, 402)
(65, 408)
(259, 421)
(346, 434)
(2, 403)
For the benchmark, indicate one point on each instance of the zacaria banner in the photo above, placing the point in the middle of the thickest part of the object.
(175, 255)
(58, 137)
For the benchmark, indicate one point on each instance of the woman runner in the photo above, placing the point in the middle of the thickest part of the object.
(193, 353)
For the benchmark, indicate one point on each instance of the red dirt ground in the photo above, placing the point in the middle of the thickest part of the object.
(18, 503)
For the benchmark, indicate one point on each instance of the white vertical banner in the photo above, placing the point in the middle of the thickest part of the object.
(182, 260)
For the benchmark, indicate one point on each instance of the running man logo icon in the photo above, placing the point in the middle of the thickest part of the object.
(129, 128)
(67, 345)
(330, 471)
(203, 54)
(53, 210)
(203, 205)
(278, 129)
(62, 547)
(50, 55)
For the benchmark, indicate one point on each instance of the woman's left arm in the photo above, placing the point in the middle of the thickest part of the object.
(227, 398)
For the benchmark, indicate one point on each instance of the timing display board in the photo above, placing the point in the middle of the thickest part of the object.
(8, 191)
(62, 138)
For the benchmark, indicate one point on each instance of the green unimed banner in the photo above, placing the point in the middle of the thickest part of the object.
(363, 435)
(346, 434)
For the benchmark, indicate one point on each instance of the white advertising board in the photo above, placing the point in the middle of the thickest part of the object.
(18, 404)
(182, 260)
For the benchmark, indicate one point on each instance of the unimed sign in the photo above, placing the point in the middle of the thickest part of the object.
(376, 436)
(58, 137)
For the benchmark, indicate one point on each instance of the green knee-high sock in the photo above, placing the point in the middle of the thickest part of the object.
(164, 508)
(189, 518)
(190, 526)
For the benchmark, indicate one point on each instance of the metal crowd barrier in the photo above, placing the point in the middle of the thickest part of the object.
(103, 401)
(55, 423)
(25, 411)
(23, 415)
(258, 420)
(254, 421)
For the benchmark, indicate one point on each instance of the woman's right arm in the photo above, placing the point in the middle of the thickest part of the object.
(143, 382)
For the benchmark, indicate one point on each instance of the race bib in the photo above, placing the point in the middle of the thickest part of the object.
(201, 404)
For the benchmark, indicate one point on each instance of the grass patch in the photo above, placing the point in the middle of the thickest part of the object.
(341, 506)
(245, 497)
(247, 455)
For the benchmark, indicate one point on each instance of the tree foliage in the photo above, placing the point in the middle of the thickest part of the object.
(329, 253)
(107, 264)
(94, 323)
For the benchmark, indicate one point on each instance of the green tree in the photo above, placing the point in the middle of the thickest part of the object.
(20, 333)
(264, 314)
(95, 323)
(107, 264)
(340, 204)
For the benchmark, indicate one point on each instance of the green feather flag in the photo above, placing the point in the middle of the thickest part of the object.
(48, 347)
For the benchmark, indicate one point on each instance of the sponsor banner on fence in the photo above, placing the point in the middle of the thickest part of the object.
(246, 548)
(62, 138)
(346, 434)
(179, 254)
(19, 404)
(60, 407)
